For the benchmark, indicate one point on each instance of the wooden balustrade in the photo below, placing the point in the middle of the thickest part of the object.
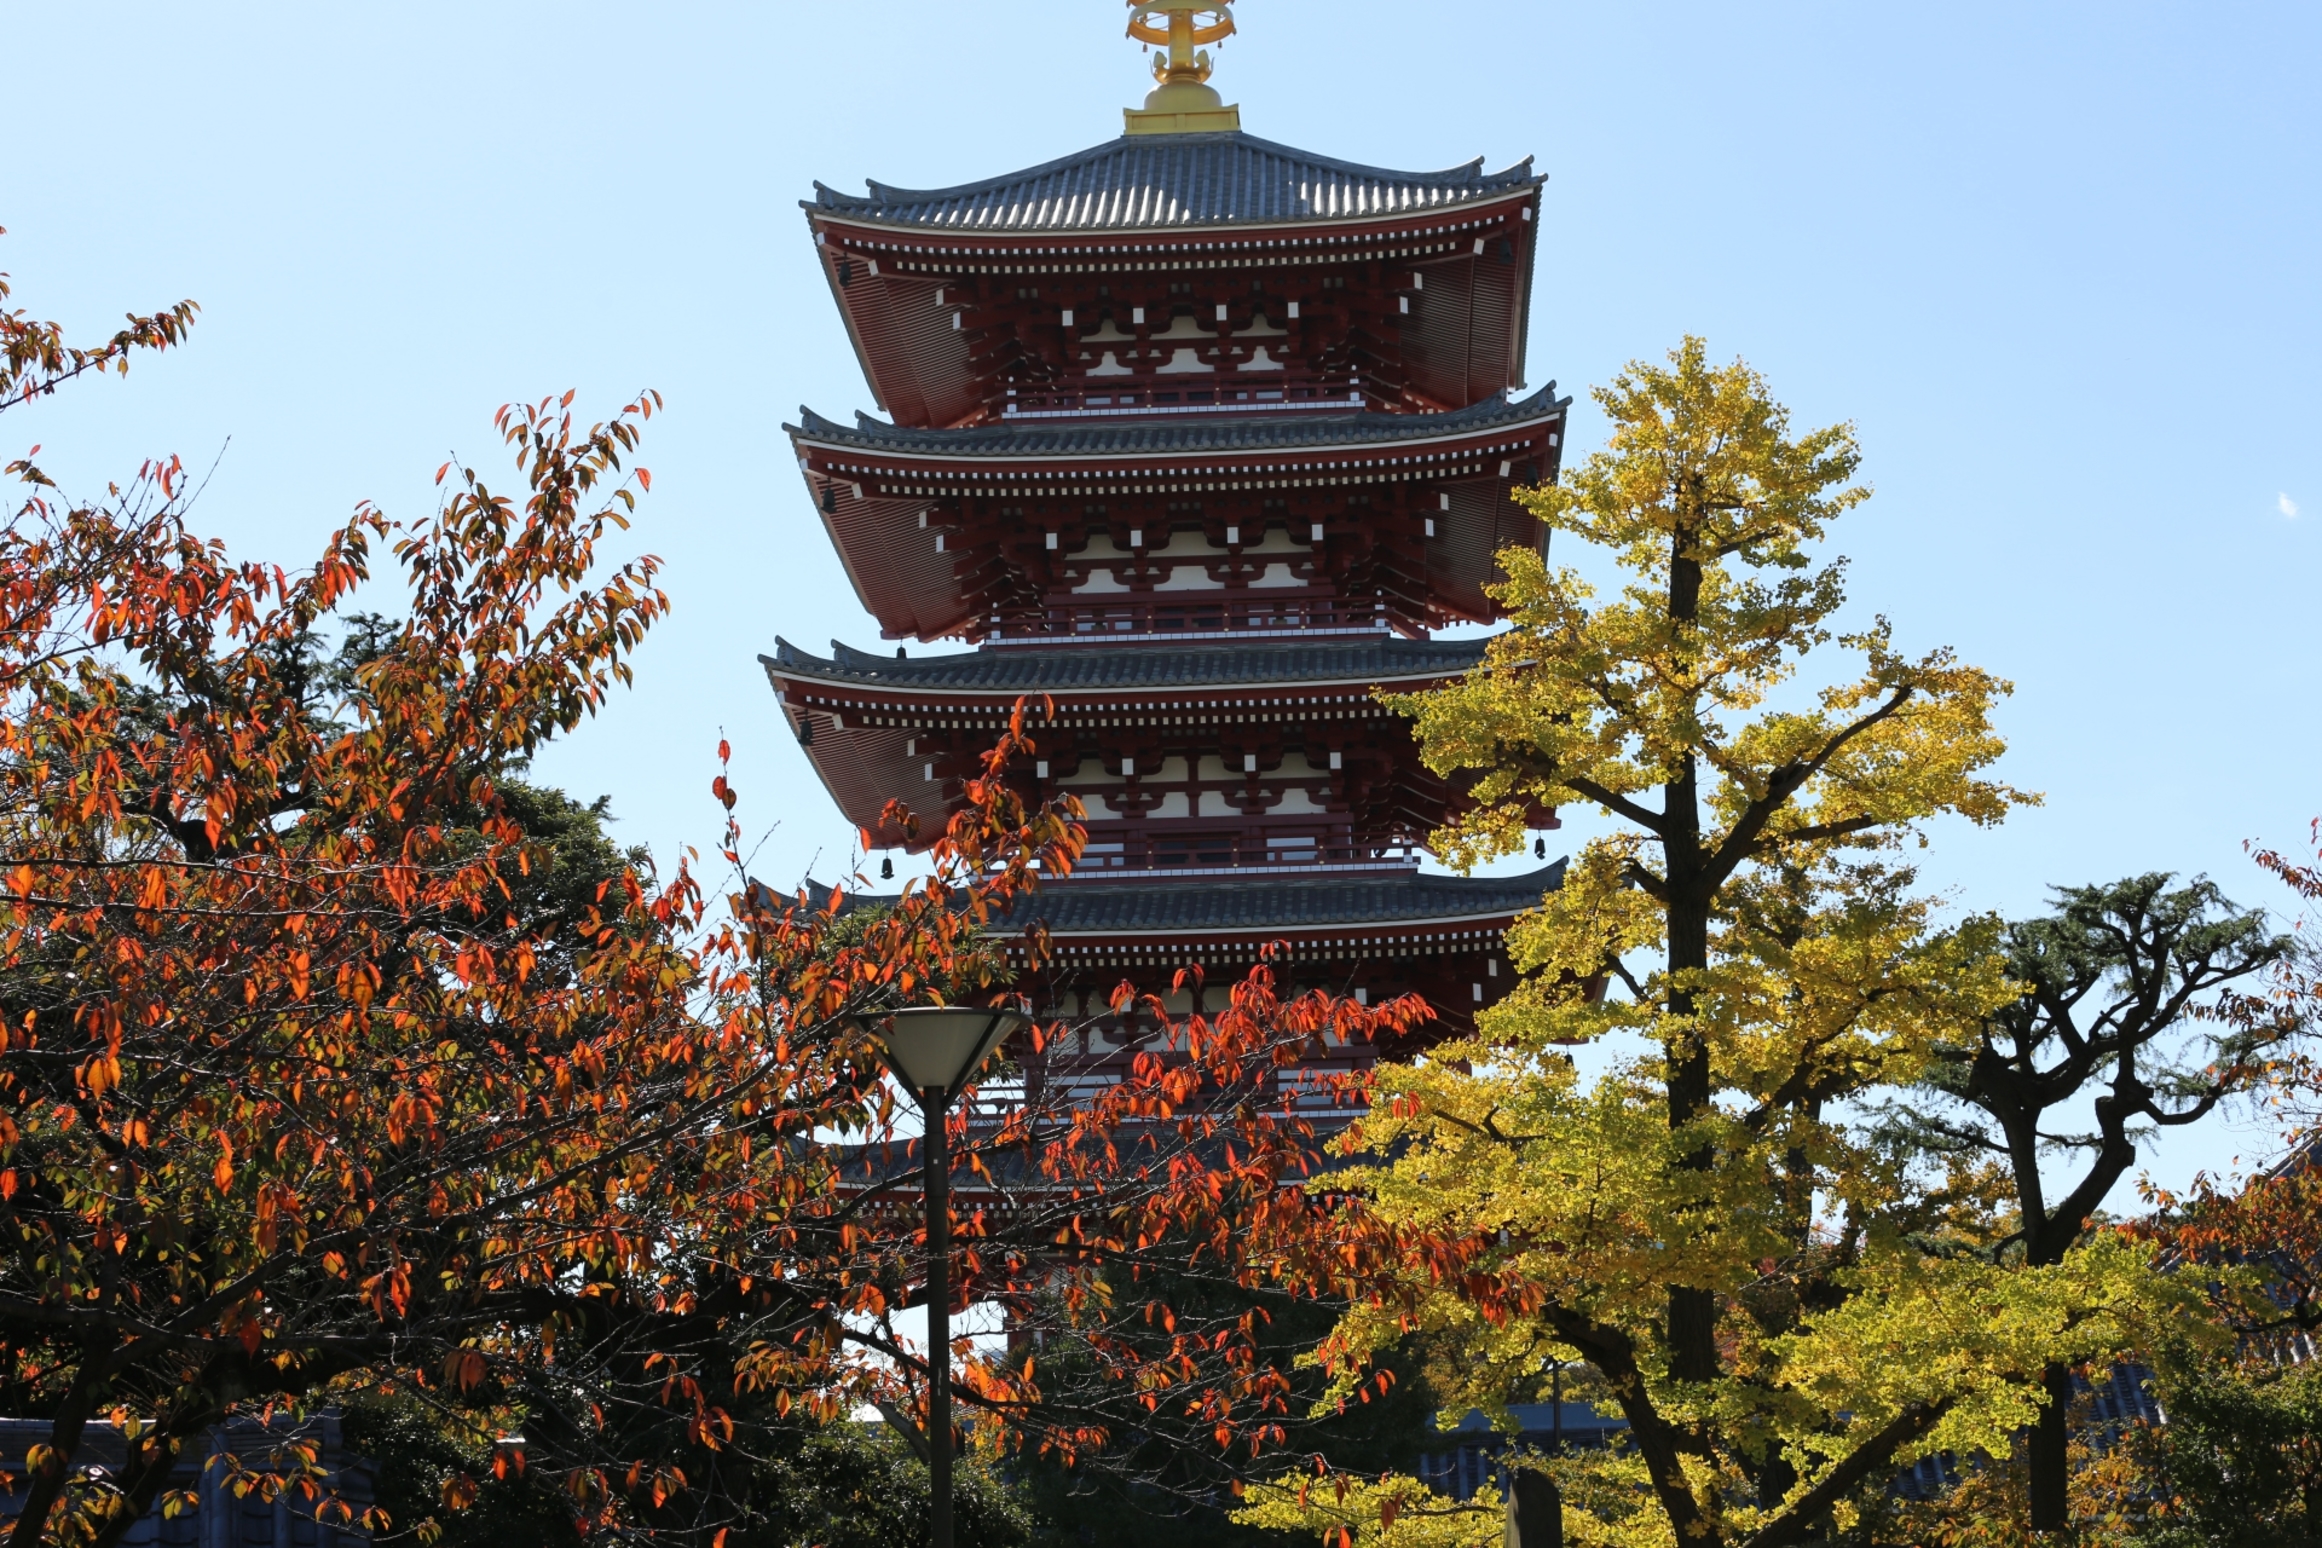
(1249, 392)
(1193, 613)
(1159, 849)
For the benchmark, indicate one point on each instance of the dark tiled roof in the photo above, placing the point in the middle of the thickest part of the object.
(1065, 668)
(1188, 433)
(1160, 182)
(1155, 903)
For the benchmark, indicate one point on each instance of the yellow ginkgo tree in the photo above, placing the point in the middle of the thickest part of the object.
(1784, 1301)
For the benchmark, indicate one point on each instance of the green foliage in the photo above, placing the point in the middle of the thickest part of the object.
(2127, 1011)
(1152, 1491)
(845, 1486)
(417, 1456)
(2239, 1464)
(1383, 1512)
(855, 1486)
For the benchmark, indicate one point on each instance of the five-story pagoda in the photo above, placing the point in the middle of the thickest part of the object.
(1196, 438)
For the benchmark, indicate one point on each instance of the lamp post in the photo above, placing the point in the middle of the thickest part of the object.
(934, 1051)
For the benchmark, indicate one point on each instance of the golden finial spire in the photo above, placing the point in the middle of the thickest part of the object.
(1184, 102)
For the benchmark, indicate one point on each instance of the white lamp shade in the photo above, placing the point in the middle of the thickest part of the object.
(940, 1047)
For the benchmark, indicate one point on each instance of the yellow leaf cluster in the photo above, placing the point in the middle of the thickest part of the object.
(1660, 1159)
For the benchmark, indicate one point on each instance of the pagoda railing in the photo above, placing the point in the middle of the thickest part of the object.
(1177, 613)
(1255, 392)
(1221, 851)
(1311, 1089)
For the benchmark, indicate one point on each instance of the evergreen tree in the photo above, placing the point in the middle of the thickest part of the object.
(2123, 1017)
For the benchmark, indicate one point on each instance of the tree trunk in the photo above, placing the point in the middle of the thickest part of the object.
(1774, 1477)
(148, 1471)
(64, 1438)
(2049, 1456)
(148, 1475)
(1657, 1442)
(1692, 1312)
(1535, 1512)
(937, 1186)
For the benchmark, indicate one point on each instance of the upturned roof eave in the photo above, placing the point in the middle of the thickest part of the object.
(855, 578)
(909, 442)
(854, 333)
(1507, 896)
(1101, 690)
(1470, 168)
(1522, 311)
(1463, 186)
(791, 662)
(822, 215)
(1279, 929)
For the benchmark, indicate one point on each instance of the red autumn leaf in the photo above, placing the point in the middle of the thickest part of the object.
(440, 1060)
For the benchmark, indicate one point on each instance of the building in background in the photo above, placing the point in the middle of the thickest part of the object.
(225, 1489)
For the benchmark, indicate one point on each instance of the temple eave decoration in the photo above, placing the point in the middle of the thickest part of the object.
(1149, 265)
(1181, 756)
(1173, 525)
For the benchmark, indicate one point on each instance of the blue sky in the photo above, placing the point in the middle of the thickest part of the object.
(2057, 262)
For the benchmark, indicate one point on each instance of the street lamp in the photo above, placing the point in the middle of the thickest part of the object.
(934, 1051)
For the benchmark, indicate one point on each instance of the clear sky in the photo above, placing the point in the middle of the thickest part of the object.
(2057, 262)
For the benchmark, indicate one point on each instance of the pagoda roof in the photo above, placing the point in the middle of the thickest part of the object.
(1174, 182)
(1119, 904)
(1154, 903)
(1164, 436)
(1068, 668)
